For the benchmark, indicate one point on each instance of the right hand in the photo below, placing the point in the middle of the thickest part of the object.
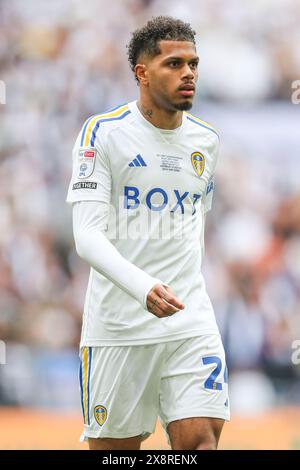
(162, 302)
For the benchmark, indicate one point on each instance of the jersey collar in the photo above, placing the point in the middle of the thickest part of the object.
(164, 135)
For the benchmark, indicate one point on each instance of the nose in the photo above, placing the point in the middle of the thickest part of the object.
(188, 72)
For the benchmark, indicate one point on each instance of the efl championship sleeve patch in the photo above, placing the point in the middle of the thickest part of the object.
(86, 162)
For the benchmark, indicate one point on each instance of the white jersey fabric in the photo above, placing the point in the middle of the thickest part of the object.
(139, 198)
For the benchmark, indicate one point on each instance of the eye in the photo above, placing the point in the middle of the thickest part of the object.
(174, 63)
(194, 65)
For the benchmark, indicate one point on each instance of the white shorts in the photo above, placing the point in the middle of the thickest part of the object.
(125, 388)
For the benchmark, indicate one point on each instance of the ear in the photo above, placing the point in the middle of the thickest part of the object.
(141, 73)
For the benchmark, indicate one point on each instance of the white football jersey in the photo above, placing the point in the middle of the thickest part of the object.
(158, 184)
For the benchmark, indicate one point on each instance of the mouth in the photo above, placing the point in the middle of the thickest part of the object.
(187, 90)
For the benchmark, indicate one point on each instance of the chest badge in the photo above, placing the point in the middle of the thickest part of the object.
(198, 162)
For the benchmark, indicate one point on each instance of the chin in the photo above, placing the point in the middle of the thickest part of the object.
(185, 106)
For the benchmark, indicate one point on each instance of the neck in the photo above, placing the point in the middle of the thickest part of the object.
(159, 117)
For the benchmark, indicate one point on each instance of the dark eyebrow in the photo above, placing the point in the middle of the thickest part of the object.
(180, 59)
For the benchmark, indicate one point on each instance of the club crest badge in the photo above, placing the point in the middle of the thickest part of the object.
(87, 158)
(198, 162)
(100, 414)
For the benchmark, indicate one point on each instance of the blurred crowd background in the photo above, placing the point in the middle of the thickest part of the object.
(62, 61)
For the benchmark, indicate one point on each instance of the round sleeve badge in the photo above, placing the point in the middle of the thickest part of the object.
(198, 162)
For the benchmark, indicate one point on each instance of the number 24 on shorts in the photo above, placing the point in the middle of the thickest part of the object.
(211, 382)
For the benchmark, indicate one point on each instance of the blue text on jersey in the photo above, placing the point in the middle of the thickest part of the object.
(132, 201)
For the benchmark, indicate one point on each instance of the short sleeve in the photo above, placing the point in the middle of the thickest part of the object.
(91, 175)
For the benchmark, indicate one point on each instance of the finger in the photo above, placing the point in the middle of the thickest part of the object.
(160, 307)
(157, 311)
(166, 293)
(170, 298)
(167, 309)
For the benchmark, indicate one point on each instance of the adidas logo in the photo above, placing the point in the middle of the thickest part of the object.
(137, 161)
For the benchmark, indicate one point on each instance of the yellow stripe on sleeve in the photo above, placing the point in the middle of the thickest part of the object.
(89, 129)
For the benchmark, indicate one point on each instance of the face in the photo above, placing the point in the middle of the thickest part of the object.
(170, 77)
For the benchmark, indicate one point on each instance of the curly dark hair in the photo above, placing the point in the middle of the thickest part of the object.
(146, 39)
